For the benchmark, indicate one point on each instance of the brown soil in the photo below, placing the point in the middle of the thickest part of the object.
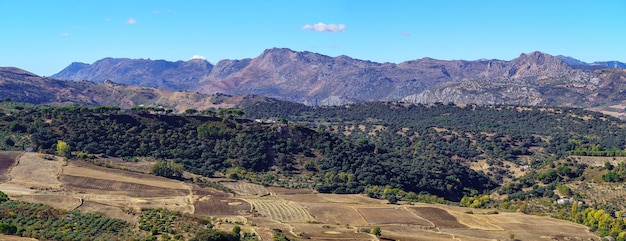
(328, 232)
(7, 159)
(441, 218)
(212, 206)
(87, 184)
(392, 216)
(334, 214)
(408, 233)
(108, 210)
(37, 170)
(55, 200)
(245, 188)
(85, 169)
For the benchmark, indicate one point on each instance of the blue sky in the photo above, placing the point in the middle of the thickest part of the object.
(44, 36)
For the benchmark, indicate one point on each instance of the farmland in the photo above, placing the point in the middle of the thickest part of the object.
(7, 159)
(301, 214)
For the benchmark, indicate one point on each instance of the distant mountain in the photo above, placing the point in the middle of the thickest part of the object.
(531, 79)
(590, 66)
(23, 86)
(610, 64)
(180, 75)
(318, 79)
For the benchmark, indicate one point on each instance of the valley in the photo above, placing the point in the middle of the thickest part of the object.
(302, 214)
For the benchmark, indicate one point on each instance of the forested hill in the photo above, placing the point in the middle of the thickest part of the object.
(343, 149)
(522, 135)
(224, 143)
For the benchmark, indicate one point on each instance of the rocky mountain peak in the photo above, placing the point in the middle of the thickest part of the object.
(537, 64)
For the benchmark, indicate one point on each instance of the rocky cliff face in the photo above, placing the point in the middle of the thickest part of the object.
(180, 75)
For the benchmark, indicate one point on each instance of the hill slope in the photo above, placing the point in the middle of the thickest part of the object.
(23, 86)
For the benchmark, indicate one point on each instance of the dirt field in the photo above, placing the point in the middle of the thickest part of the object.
(245, 188)
(439, 217)
(407, 233)
(81, 184)
(108, 210)
(37, 170)
(329, 232)
(7, 159)
(84, 169)
(300, 214)
(377, 216)
(333, 214)
(15, 238)
(215, 203)
(60, 201)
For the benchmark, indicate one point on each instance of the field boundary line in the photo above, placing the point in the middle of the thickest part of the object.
(17, 162)
(418, 216)
(360, 215)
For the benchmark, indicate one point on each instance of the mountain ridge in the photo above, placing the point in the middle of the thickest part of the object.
(179, 75)
(534, 78)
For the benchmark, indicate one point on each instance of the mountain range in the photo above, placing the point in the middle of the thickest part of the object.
(23, 86)
(531, 79)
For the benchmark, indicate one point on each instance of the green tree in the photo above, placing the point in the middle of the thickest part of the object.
(214, 235)
(237, 230)
(280, 237)
(167, 169)
(3, 197)
(63, 149)
(9, 229)
(376, 231)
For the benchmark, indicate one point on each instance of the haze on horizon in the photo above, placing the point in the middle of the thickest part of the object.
(45, 36)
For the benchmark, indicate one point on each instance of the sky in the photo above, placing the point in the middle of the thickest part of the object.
(44, 36)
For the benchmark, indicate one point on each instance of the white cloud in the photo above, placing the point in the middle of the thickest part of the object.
(131, 21)
(322, 27)
(406, 34)
(198, 57)
(64, 34)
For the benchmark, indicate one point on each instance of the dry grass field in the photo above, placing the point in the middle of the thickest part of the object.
(14, 238)
(38, 171)
(300, 214)
(334, 214)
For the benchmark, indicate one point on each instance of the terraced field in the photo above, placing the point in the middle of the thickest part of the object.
(246, 188)
(280, 209)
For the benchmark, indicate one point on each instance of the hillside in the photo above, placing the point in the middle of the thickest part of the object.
(508, 158)
(102, 204)
(22, 86)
